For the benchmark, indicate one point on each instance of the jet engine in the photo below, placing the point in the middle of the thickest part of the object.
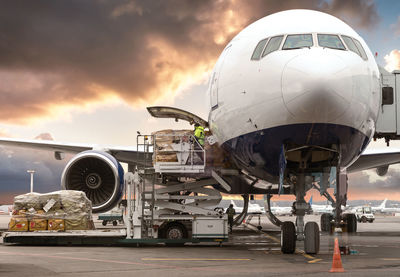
(382, 170)
(99, 175)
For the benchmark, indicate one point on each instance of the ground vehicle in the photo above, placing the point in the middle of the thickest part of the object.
(364, 214)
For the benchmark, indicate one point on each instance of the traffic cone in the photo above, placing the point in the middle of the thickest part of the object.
(336, 261)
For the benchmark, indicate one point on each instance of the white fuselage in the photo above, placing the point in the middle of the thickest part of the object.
(309, 96)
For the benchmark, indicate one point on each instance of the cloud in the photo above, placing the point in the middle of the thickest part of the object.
(61, 54)
(392, 60)
(367, 184)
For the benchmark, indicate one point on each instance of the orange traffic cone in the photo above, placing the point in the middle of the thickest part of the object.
(336, 261)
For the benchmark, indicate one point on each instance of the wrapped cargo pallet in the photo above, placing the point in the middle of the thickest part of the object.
(165, 141)
(55, 211)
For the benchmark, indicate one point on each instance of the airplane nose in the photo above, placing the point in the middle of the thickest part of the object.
(317, 87)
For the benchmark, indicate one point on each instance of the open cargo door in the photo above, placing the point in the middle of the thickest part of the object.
(170, 112)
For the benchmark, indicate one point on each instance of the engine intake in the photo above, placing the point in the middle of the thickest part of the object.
(99, 175)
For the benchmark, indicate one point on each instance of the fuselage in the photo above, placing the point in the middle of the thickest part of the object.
(296, 77)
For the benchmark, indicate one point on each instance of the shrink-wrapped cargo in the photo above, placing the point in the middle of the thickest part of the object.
(54, 211)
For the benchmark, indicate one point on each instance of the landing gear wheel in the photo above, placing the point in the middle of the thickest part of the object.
(311, 238)
(288, 237)
(104, 223)
(326, 222)
(115, 223)
(351, 221)
(259, 228)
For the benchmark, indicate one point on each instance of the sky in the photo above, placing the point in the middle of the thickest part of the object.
(84, 71)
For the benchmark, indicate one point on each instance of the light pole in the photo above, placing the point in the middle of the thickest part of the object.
(30, 171)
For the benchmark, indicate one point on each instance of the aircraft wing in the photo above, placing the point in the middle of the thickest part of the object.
(121, 153)
(375, 158)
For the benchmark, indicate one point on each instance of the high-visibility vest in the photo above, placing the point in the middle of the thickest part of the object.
(199, 134)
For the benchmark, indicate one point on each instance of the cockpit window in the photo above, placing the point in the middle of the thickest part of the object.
(360, 49)
(273, 45)
(298, 41)
(350, 44)
(330, 41)
(259, 48)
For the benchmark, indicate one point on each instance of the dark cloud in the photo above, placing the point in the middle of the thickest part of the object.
(14, 180)
(56, 53)
(362, 183)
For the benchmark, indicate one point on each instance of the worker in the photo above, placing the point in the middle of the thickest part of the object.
(231, 212)
(199, 133)
(198, 146)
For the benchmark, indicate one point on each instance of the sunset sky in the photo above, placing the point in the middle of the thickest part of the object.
(84, 71)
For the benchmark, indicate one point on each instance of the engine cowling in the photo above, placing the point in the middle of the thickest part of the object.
(382, 170)
(99, 175)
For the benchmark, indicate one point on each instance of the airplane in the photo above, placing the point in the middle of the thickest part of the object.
(277, 210)
(6, 209)
(252, 208)
(320, 209)
(293, 94)
(382, 208)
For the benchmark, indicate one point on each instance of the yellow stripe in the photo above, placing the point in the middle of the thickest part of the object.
(308, 256)
(191, 259)
(391, 259)
(314, 261)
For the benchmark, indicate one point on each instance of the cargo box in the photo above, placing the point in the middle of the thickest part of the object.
(18, 224)
(37, 224)
(56, 225)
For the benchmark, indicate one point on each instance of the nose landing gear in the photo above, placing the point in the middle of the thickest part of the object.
(309, 233)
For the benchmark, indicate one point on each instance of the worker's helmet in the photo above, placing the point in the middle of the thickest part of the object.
(196, 124)
(231, 206)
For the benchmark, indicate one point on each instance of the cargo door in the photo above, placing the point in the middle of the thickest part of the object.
(175, 113)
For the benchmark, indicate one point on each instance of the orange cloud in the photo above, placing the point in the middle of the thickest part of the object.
(138, 52)
(392, 60)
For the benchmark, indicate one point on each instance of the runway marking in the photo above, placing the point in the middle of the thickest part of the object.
(192, 259)
(314, 261)
(155, 265)
(390, 259)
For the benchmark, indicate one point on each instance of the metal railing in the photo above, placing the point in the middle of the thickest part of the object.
(178, 153)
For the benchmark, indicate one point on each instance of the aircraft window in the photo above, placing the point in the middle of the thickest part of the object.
(360, 49)
(387, 96)
(330, 41)
(257, 52)
(351, 45)
(272, 45)
(298, 41)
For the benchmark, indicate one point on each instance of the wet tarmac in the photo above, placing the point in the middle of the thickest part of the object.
(375, 248)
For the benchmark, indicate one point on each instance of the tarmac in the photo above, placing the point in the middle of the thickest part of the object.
(375, 251)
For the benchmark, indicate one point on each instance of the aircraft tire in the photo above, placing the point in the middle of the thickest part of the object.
(311, 238)
(351, 221)
(288, 237)
(325, 222)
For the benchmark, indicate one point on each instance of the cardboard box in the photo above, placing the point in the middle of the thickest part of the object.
(18, 224)
(56, 225)
(38, 224)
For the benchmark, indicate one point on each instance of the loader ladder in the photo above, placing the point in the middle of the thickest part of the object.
(147, 174)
